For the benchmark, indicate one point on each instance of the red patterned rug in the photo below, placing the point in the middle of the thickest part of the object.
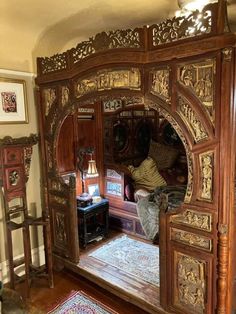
(77, 302)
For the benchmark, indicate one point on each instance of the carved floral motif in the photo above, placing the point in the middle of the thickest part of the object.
(54, 63)
(60, 231)
(104, 41)
(49, 96)
(206, 168)
(195, 24)
(107, 79)
(112, 105)
(194, 219)
(227, 53)
(160, 83)
(27, 159)
(191, 239)
(191, 283)
(188, 115)
(58, 199)
(200, 78)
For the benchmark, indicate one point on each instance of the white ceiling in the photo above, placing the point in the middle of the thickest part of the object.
(57, 25)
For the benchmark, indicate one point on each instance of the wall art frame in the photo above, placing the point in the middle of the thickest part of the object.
(13, 101)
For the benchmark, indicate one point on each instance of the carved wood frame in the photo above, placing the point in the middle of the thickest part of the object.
(204, 220)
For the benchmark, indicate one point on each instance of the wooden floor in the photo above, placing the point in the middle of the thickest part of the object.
(91, 276)
(120, 281)
(43, 298)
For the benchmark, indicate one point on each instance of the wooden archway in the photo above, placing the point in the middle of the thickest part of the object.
(191, 80)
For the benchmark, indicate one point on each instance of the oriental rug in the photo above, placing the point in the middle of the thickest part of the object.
(77, 302)
(131, 256)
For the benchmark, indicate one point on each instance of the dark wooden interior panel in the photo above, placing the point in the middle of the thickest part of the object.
(66, 146)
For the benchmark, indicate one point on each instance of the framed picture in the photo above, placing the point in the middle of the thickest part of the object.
(93, 190)
(13, 101)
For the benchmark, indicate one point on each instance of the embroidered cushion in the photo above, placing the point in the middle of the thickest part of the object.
(164, 156)
(147, 175)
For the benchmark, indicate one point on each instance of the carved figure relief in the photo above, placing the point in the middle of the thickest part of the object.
(194, 24)
(206, 177)
(191, 239)
(160, 83)
(49, 96)
(60, 231)
(65, 93)
(191, 283)
(191, 120)
(194, 219)
(107, 79)
(200, 77)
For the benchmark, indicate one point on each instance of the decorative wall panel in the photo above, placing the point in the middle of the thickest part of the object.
(107, 79)
(194, 219)
(49, 96)
(160, 84)
(191, 285)
(200, 79)
(191, 120)
(191, 239)
(206, 161)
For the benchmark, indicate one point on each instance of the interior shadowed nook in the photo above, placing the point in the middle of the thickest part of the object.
(137, 136)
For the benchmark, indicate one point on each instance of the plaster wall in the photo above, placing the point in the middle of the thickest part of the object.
(33, 184)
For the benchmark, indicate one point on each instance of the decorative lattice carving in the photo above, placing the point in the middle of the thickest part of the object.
(191, 120)
(191, 283)
(168, 117)
(49, 96)
(52, 64)
(107, 79)
(160, 83)
(195, 24)
(191, 239)
(206, 167)
(194, 219)
(200, 78)
(104, 41)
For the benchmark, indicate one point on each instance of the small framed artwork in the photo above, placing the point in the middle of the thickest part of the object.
(13, 101)
(93, 190)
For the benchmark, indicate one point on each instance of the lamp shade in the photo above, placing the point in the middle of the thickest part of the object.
(92, 169)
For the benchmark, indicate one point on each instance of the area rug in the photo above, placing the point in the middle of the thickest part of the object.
(131, 256)
(77, 302)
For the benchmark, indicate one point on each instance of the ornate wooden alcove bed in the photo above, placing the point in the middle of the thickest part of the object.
(183, 69)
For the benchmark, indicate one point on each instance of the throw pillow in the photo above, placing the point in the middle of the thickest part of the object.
(165, 156)
(147, 175)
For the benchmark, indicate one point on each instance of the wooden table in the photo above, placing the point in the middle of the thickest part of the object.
(93, 221)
